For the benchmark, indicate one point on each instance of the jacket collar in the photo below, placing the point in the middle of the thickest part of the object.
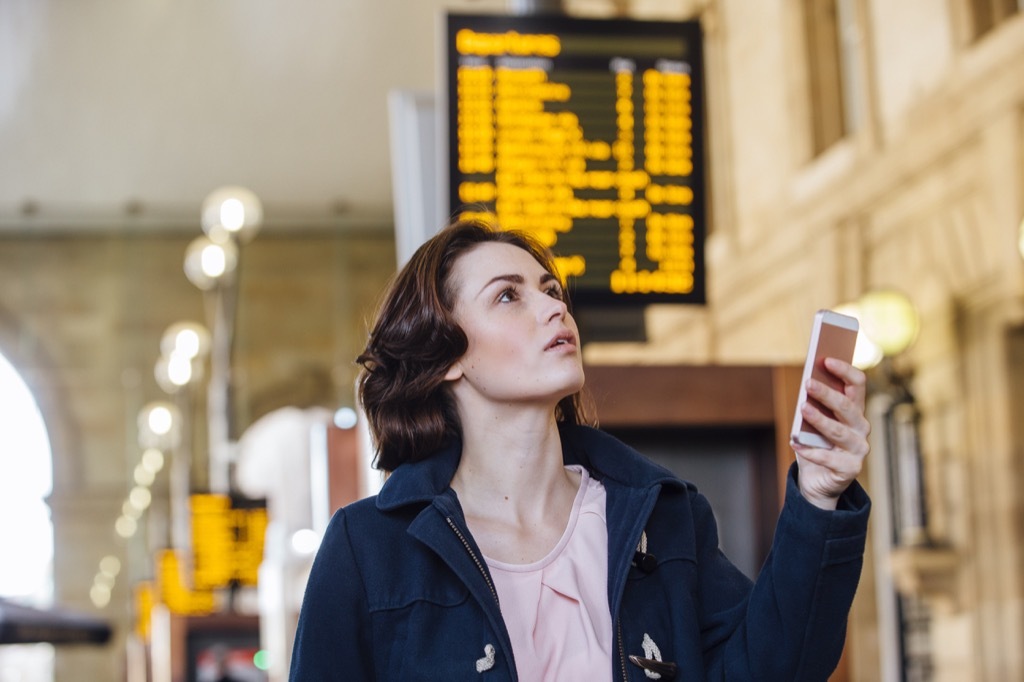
(603, 455)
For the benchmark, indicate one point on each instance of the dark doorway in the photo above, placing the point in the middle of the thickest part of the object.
(735, 468)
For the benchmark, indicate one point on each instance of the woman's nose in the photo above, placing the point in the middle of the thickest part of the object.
(553, 308)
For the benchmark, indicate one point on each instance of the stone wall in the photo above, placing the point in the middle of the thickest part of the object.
(926, 197)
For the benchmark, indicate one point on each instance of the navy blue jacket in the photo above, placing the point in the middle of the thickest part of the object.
(399, 589)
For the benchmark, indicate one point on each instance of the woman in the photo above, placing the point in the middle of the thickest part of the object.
(511, 541)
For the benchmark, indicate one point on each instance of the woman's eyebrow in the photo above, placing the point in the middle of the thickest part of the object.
(517, 279)
(513, 279)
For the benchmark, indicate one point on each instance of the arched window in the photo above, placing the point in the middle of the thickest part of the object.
(26, 532)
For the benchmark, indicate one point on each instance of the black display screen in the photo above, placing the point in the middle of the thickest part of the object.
(588, 134)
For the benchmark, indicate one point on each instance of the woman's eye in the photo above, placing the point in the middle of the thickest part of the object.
(507, 295)
(555, 292)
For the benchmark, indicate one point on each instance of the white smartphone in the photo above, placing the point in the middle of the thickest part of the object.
(833, 336)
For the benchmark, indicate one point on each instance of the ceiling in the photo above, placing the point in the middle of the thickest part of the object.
(124, 115)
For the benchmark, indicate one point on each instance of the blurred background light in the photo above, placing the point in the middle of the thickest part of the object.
(261, 659)
(140, 497)
(1020, 238)
(189, 339)
(100, 595)
(158, 425)
(208, 262)
(305, 541)
(125, 526)
(890, 319)
(110, 565)
(153, 459)
(345, 418)
(232, 213)
(143, 476)
(866, 353)
(130, 511)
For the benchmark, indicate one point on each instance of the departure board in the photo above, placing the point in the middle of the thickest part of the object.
(588, 134)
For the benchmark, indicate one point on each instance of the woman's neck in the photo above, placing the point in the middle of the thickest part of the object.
(512, 470)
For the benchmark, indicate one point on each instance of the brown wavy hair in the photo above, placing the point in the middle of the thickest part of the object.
(415, 340)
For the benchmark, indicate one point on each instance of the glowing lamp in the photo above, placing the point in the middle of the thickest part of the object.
(140, 497)
(189, 339)
(153, 460)
(208, 262)
(232, 213)
(889, 319)
(143, 476)
(158, 425)
(110, 565)
(1020, 238)
(125, 526)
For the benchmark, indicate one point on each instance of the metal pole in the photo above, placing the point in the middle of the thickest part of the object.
(219, 388)
(180, 475)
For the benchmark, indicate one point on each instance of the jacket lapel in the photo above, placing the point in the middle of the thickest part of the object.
(441, 526)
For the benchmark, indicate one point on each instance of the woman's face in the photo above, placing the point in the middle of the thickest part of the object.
(523, 344)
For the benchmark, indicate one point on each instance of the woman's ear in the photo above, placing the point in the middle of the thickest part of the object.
(454, 372)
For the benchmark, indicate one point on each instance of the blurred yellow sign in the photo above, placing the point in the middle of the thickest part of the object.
(227, 543)
(174, 590)
(227, 548)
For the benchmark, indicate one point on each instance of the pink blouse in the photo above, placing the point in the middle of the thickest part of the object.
(556, 609)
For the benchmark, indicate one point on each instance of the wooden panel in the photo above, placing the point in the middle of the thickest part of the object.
(342, 467)
(786, 383)
(681, 395)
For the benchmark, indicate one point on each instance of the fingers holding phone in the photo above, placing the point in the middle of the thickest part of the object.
(830, 430)
(842, 422)
(832, 336)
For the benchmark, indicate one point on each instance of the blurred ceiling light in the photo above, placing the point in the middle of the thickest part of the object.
(160, 420)
(890, 319)
(125, 526)
(213, 261)
(110, 565)
(179, 369)
(208, 262)
(175, 371)
(153, 460)
(140, 497)
(130, 511)
(143, 476)
(188, 339)
(232, 212)
(100, 595)
(232, 215)
(158, 423)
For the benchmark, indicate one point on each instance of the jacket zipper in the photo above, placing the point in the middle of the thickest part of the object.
(472, 554)
(622, 651)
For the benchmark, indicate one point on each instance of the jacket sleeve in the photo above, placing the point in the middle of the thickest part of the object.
(332, 641)
(791, 625)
